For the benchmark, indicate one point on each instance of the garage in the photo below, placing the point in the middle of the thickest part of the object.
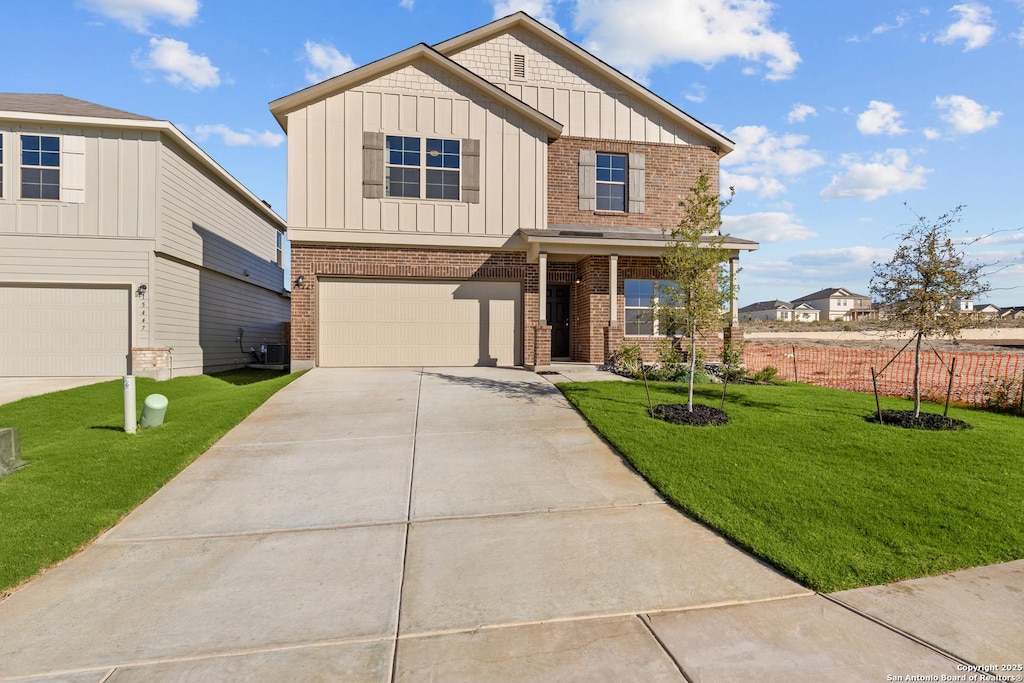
(367, 323)
(63, 331)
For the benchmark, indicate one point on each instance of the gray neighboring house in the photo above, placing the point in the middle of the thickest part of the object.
(838, 303)
(124, 248)
(778, 310)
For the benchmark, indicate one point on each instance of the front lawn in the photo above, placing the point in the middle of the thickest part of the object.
(85, 473)
(801, 479)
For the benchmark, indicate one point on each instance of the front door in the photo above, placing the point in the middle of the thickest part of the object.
(558, 317)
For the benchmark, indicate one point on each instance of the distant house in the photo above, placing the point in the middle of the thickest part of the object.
(1011, 313)
(777, 310)
(986, 310)
(839, 304)
(124, 248)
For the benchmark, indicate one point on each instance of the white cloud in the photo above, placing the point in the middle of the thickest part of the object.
(761, 185)
(697, 93)
(407, 4)
(639, 35)
(235, 139)
(761, 157)
(887, 173)
(800, 112)
(773, 226)
(931, 134)
(880, 117)
(901, 19)
(325, 61)
(966, 115)
(541, 10)
(139, 14)
(180, 65)
(974, 27)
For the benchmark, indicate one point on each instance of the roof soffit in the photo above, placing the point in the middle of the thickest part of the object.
(525, 21)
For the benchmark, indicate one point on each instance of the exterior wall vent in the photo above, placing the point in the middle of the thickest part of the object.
(518, 66)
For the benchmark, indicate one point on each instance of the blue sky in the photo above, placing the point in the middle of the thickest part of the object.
(850, 118)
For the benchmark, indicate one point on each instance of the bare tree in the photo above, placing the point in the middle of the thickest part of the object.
(921, 287)
(698, 289)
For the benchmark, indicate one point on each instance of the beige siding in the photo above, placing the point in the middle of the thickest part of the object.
(325, 158)
(63, 331)
(416, 323)
(205, 224)
(197, 312)
(108, 184)
(587, 104)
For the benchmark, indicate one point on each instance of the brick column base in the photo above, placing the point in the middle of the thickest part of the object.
(541, 347)
(613, 338)
(153, 362)
(732, 335)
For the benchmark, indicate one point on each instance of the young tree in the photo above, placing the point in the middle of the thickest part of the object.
(920, 288)
(693, 262)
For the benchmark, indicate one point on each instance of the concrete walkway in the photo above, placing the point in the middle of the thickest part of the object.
(454, 525)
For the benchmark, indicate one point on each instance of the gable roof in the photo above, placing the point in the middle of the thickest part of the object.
(60, 109)
(525, 21)
(283, 106)
(61, 105)
(829, 293)
(773, 305)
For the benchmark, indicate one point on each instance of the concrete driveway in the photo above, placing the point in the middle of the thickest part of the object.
(429, 524)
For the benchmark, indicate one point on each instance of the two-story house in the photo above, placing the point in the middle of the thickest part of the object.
(495, 199)
(124, 248)
(837, 303)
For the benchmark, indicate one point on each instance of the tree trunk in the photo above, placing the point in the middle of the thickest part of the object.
(693, 366)
(917, 376)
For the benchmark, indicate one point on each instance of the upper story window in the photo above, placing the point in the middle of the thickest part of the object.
(280, 250)
(642, 296)
(427, 168)
(611, 182)
(40, 167)
(1, 164)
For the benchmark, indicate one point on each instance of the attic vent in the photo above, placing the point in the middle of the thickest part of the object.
(518, 66)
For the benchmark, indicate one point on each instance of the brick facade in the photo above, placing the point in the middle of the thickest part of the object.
(671, 170)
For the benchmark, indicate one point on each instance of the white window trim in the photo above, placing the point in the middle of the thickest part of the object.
(653, 302)
(22, 166)
(624, 183)
(423, 168)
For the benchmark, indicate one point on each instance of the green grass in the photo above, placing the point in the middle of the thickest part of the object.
(85, 473)
(800, 478)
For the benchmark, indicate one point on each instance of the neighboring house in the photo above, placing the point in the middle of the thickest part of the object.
(496, 199)
(124, 248)
(985, 310)
(1011, 313)
(840, 304)
(777, 310)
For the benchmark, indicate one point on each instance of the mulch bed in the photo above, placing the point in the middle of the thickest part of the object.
(702, 416)
(906, 419)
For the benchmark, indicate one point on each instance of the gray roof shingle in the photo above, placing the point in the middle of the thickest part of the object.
(61, 105)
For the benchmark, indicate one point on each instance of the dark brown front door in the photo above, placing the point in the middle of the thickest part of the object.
(558, 317)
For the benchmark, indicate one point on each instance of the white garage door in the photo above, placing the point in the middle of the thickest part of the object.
(67, 331)
(409, 323)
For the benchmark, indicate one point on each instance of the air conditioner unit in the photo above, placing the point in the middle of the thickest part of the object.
(277, 354)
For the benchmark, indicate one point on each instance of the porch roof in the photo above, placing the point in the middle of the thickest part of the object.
(589, 240)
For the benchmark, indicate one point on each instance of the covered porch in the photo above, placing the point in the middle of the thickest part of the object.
(583, 312)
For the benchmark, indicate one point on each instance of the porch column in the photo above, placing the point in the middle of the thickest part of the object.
(542, 283)
(613, 290)
(734, 303)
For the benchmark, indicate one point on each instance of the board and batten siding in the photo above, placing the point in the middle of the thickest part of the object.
(200, 312)
(325, 142)
(206, 224)
(108, 184)
(558, 85)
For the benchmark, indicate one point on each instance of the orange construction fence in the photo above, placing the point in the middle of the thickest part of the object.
(974, 378)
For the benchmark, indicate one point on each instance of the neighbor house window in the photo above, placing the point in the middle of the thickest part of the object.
(427, 168)
(40, 167)
(280, 250)
(642, 296)
(1, 164)
(611, 182)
